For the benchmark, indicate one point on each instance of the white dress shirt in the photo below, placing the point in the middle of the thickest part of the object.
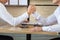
(7, 17)
(54, 18)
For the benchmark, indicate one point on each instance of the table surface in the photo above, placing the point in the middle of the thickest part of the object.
(18, 30)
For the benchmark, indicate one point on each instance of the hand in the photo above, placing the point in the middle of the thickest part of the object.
(31, 9)
(36, 29)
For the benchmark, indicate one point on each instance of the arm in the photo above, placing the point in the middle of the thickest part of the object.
(54, 28)
(5, 15)
(45, 21)
(21, 18)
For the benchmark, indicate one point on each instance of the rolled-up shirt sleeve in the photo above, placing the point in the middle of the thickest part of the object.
(7, 17)
(21, 18)
(45, 21)
(53, 28)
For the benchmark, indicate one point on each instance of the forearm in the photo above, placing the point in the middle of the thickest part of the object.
(7, 17)
(21, 18)
(39, 18)
(45, 21)
(54, 28)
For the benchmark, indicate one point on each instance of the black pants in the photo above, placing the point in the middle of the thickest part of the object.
(58, 38)
(4, 37)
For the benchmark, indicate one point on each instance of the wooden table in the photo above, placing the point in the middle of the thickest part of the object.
(23, 31)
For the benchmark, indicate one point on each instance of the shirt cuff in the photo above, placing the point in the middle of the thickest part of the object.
(26, 14)
(45, 28)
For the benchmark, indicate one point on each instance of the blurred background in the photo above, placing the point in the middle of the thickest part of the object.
(18, 7)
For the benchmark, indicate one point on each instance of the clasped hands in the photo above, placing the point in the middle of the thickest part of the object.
(31, 10)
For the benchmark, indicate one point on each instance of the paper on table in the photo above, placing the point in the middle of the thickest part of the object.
(13, 2)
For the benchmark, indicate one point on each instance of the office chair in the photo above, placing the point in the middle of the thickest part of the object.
(5, 37)
(58, 38)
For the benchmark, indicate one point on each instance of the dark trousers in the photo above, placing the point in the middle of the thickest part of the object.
(4, 37)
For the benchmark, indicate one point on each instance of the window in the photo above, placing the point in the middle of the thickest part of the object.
(17, 3)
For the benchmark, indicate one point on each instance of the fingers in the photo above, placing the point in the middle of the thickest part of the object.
(36, 29)
(32, 30)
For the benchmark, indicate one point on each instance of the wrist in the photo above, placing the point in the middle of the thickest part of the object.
(40, 29)
(28, 13)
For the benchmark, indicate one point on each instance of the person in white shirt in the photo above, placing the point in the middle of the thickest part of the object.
(7, 17)
(49, 21)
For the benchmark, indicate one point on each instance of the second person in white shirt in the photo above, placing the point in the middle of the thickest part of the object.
(53, 19)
